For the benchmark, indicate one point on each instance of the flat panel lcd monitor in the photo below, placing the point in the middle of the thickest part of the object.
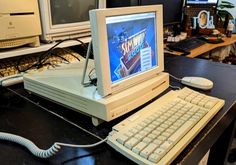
(128, 46)
(172, 10)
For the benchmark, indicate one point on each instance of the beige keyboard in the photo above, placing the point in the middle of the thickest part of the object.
(9, 74)
(8, 66)
(159, 132)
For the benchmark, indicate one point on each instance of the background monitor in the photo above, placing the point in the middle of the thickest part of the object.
(121, 3)
(172, 10)
(197, 2)
(128, 46)
(63, 19)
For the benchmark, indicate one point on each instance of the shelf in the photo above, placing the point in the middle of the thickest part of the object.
(7, 53)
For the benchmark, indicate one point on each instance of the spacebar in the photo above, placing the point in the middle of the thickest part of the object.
(181, 131)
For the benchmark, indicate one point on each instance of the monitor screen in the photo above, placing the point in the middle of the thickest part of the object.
(172, 10)
(120, 3)
(132, 49)
(70, 11)
(202, 2)
(127, 45)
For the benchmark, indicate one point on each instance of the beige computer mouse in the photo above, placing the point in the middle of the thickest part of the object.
(197, 82)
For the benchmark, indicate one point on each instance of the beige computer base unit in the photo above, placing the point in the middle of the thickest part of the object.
(63, 85)
(20, 23)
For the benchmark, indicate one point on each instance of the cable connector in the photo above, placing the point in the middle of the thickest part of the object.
(93, 81)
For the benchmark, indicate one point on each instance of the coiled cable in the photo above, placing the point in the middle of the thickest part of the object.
(30, 145)
(53, 150)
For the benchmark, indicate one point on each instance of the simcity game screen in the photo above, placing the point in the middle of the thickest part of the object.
(132, 44)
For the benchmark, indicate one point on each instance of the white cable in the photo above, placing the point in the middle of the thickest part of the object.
(53, 150)
(55, 147)
(51, 112)
(179, 79)
(81, 146)
(175, 87)
(11, 80)
(30, 145)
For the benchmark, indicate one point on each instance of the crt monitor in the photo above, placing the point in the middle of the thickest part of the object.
(199, 2)
(127, 45)
(172, 10)
(63, 19)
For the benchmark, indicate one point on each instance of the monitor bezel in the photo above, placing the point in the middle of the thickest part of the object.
(49, 28)
(101, 52)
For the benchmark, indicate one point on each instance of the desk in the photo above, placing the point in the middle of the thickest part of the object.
(23, 115)
(208, 47)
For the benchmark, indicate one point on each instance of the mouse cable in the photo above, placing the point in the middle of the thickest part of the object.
(53, 150)
(176, 78)
(175, 87)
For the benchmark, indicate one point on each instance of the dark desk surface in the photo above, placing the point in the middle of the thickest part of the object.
(27, 118)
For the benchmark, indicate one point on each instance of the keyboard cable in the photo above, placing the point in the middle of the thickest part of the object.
(56, 147)
(53, 150)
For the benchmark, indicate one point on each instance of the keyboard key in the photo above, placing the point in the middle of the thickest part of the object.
(148, 150)
(157, 142)
(154, 158)
(156, 132)
(143, 133)
(164, 126)
(161, 138)
(167, 145)
(160, 152)
(138, 136)
(131, 143)
(152, 136)
(181, 131)
(122, 138)
(210, 104)
(133, 130)
(129, 134)
(152, 126)
(147, 129)
(147, 140)
(142, 125)
(139, 147)
(169, 130)
(166, 134)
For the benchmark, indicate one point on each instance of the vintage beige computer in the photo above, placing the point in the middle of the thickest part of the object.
(20, 23)
(128, 61)
(66, 18)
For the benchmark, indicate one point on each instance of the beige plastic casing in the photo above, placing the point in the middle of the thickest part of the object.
(20, 23)
(101, 54)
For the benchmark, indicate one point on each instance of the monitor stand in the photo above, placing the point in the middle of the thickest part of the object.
(63, 85)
